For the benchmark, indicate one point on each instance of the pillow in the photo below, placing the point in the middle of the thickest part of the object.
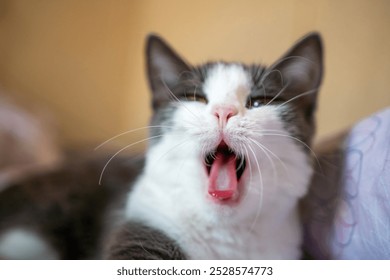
(346, 214)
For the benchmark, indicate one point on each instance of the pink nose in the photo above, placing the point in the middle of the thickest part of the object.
(224, 113)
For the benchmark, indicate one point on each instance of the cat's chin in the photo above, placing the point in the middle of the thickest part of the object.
(224, 170)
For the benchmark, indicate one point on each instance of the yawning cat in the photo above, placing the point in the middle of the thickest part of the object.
(228, 160)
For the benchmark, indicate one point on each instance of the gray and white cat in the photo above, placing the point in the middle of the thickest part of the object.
(228, 161)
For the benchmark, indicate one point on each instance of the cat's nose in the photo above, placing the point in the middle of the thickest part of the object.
(224, 113)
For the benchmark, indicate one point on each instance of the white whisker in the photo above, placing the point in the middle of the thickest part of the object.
(131, 131)
(279, 93)
(274, 155)
(250, 167)
(314, 90)
(293, 57)
(242, 160)
(121, 150)
(178, 100)
(298, 140)
(261, 188)
(171, 149)
(269, 73)
(269, 158)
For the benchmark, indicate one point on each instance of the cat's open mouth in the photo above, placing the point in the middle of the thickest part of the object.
(224, 169)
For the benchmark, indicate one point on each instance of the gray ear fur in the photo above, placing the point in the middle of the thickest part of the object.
(302, 65)
(164, 69)
(299, 73)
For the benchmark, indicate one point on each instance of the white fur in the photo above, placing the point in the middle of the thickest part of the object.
(171, 195)
(21, 244)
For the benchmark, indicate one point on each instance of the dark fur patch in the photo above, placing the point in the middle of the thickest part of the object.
(135, 241)
(67, 206)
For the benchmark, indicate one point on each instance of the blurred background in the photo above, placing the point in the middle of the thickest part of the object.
(80, 64)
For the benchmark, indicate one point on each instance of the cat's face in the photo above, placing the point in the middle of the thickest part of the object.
(241, 121)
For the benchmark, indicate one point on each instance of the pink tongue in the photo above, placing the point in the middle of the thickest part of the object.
(223, 178)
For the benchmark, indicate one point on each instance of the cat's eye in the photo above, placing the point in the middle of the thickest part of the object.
(256, 102)
(196, 97)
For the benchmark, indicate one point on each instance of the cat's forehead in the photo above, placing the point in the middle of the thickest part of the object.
(226, 81)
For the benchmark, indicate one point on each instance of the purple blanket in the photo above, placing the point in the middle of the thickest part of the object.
(346, 214)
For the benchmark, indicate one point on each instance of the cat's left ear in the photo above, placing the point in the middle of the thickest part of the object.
(165, 68)
(300, 69)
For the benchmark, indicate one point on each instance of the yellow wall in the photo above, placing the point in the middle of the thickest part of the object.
(83, 60)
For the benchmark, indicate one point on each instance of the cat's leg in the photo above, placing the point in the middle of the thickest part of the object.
(135, 241)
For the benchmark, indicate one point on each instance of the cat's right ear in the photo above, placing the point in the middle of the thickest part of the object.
(164, 70)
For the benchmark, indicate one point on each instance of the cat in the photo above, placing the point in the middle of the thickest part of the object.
(228, 160)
